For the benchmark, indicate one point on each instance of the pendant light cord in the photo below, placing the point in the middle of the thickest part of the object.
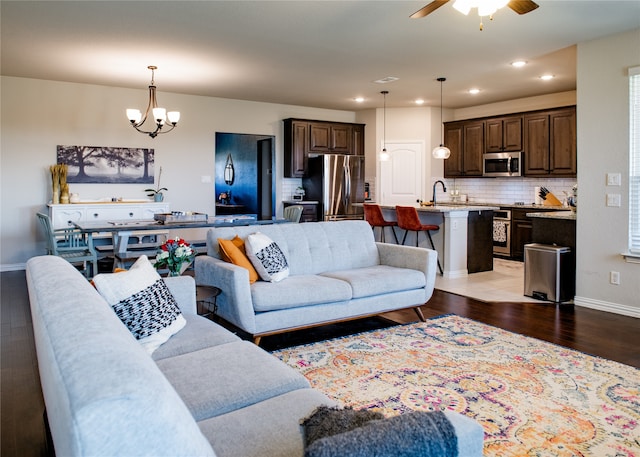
(442, 80)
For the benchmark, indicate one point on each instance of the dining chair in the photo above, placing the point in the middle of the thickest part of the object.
(373, 215)
(70, 244)
(293, 213)
(409, 221)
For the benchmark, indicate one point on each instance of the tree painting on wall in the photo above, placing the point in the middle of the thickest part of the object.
(105, 165)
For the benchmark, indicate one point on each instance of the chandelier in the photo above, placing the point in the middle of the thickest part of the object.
(485, 7)
(160, 115)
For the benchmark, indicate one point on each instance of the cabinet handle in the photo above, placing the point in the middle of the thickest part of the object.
(130, 214)
(95, 214)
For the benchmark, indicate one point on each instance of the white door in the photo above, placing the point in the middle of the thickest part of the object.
(402, 176)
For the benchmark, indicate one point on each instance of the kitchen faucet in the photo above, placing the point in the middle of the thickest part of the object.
(444, 189)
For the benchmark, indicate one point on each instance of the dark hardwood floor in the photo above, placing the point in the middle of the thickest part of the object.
(599, 333)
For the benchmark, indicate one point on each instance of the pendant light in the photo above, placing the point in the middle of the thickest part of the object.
(384, 155)
(441, 152)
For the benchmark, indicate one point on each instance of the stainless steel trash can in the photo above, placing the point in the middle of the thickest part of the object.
(549, 272)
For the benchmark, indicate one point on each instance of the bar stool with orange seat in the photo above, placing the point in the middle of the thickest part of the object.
(409, 221)
(373, 215)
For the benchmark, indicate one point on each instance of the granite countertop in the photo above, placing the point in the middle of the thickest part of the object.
(447, 208)
(507, 205)
(562, 215)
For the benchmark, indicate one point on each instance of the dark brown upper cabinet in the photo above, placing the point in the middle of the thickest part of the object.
(550, 143)
(465, 140)
(303, 137)
(503, 134)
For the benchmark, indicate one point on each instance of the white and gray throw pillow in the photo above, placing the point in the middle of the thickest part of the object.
(143, 302)
(267, 257)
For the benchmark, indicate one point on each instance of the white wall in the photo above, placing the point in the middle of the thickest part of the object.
(603, 147)
(402, 125)
(38, 115)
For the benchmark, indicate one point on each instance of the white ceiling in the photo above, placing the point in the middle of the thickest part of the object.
(310, 53)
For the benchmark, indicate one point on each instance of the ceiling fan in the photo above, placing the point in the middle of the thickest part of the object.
(464, 6)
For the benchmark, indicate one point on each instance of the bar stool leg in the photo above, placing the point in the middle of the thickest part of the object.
(433, 247)
(393, 230)
(405, 236)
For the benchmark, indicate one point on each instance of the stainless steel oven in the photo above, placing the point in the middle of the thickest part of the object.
(502, 232)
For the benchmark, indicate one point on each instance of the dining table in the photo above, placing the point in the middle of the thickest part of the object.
(121, 230)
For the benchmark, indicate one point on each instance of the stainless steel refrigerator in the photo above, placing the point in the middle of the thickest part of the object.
(337, 182)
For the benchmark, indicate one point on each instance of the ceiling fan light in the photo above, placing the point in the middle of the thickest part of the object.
(441, 152)
(486, 9)
(464, 6)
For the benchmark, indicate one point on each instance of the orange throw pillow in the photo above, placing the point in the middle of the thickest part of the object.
(232, 251)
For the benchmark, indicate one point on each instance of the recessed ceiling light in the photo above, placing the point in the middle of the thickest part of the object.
(474, 91)
(359, 99)
(388, 79)
(518, 63)
(547, 77)
(419, 101)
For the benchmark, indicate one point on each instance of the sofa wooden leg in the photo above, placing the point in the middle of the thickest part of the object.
(256, 340)
(419, 313)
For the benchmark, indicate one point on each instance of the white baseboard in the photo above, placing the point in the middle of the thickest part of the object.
(600, 305)
(13, 267)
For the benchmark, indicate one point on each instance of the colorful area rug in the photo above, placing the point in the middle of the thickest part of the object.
(532, 398)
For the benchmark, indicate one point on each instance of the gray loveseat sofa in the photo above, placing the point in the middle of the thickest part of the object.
(204, 392)
(337, 272)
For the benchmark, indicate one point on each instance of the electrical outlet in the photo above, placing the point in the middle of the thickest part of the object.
(614, 200)
(614, 179)
(614, 277)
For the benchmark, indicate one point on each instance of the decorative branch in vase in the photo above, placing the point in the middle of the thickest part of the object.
(156, 193)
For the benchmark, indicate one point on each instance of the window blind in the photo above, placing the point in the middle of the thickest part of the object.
(634, 157)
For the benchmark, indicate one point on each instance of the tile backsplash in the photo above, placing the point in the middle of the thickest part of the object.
(503, 190)
(483, 190)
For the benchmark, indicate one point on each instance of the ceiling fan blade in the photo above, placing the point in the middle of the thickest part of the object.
(430, 8)
(522, 6)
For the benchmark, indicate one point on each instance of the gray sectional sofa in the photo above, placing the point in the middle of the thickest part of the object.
(337, 272)
(204, 392)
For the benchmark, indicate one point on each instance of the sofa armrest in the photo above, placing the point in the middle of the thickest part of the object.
(421, 259)
(234, 303)
(183, 289)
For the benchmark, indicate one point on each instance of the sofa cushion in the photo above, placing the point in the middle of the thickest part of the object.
(142, 301)
(273, 423)
(199, 333)
(233, 251)
(267, 257)
(297, 291)
(311, 248)
(378, 280)
(223, 378)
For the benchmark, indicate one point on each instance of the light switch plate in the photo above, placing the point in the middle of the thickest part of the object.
(614, 179)
(614, 200)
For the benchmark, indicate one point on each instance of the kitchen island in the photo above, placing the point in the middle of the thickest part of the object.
(451, 241)
(557, 227)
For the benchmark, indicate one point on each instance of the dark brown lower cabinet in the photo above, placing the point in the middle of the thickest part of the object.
(480, 241)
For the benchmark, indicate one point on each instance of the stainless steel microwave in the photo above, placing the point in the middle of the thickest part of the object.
(502, 164)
